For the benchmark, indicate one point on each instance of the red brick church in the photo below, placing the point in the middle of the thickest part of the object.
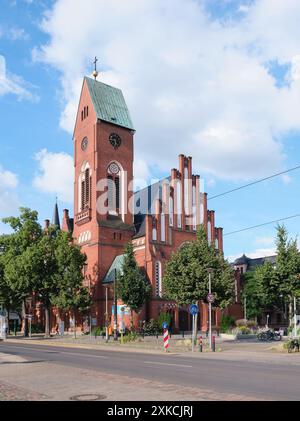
(108, 213)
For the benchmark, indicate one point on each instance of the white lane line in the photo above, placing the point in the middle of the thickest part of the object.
(169, 364)
(57, 352)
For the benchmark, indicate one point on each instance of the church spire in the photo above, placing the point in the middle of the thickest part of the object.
(55, 218)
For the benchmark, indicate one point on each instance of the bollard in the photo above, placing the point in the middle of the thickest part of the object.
(200, 344)
(213, 344)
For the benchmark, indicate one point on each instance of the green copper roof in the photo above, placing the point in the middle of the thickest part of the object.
(115, 266)
(109, 104)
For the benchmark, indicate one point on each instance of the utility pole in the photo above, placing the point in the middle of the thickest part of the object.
(115, 308)
(106, 313)
(210, 270)
(295, 317)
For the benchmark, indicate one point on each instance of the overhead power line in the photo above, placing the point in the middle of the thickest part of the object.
(261, 225)
(254, 182)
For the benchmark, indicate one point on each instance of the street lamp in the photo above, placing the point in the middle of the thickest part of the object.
(210, 271)
(268, 321)
(115, 308)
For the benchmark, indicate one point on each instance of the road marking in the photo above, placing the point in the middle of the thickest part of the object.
(57, 352)
(169, 364)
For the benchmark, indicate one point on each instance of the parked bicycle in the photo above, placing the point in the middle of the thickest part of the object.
(269, 335)
(294, 345)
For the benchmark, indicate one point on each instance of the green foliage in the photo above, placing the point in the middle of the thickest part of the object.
(164, 317)
(186, 276)
(46, 264)
(271, 287)
(152, 327)
(132, 286)
(98, 331)
(243, 330)
(37, 328)
(227, 323)
(131, 336)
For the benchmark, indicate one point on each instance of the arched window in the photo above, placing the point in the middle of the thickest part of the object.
(178, 207)
(209, 231)
(162, 227)
(171, 210)
(114, 191)
(158, 280)
(84, 184)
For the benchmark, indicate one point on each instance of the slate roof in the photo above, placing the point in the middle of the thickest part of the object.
(253, 263)
(144, 204)
(115, 266)
(55, 218)
(109, 103)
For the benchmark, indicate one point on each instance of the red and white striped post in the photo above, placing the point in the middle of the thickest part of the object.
(166, 339)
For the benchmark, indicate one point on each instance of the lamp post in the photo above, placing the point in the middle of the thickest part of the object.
(115, 308)
(106, 313)
(245, 308)
(210, 271)
(295, 317)
(268, 321)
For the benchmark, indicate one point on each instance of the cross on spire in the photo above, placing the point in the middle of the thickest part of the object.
(95, 72)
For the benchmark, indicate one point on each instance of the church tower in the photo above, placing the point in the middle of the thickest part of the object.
(103, 160)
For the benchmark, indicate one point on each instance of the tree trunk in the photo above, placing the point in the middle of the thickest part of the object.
(47, 321)
(290, 312)
(25, 320)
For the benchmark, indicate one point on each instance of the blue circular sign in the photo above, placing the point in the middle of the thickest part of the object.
(165, 325)
(194, 309)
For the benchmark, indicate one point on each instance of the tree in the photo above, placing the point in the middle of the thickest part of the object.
(71, 295)
(186, 277)
(257, 289)
(272, 287)
(132, 286)
(26, 232)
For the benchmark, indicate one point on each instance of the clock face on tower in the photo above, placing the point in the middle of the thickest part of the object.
(115, 140)
(84, 143)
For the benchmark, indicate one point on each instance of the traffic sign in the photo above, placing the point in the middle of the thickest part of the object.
(210, 298)
(165, 325)
(194, 309)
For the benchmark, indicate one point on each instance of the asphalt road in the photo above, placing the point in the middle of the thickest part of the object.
(278, 381)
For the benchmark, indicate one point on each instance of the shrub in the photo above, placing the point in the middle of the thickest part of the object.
(98, 331)
(164, 317)
(37, 328)
(130, 337)
(251, 323)
(151, 327)
(244, 330)
(227, 323)
(241, 322)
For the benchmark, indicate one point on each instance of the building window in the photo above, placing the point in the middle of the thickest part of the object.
(113, 188)
(209, 231)
(171, 210)
(84, 184)
(158, 280)
(178, 207)
(162, 227)
(154, 234)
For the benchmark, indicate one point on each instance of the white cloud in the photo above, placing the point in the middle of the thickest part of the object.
(16, 33)
(9, 202)
(193, 86)
(265, 241)
(13, 84)
(55, 174)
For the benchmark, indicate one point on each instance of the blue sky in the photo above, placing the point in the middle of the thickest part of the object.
(218, 80)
